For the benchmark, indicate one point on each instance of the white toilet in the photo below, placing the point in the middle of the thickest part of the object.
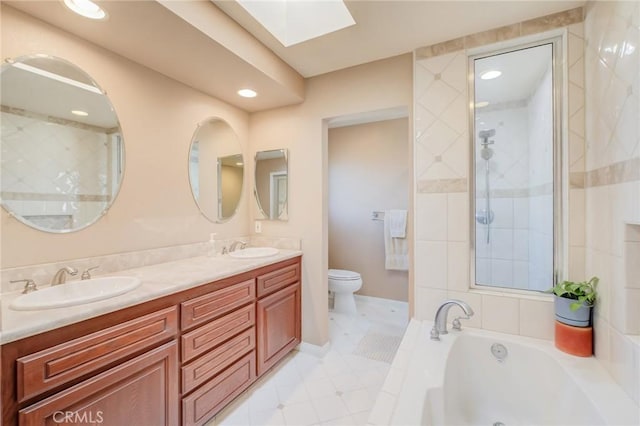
(343, 284)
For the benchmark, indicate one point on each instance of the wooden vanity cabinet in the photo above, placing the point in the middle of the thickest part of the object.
(142, 391)
(175, 360)
(278, 315)
(120, 368)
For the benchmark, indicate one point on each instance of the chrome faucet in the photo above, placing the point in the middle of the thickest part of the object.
(234, 245)
(61, 276)
(440, 322)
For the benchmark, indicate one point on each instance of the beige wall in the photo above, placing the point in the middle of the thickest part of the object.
(368, 171)
(303, 130)
(158, 117)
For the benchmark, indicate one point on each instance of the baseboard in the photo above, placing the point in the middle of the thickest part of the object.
(378, 299)
(315, 350)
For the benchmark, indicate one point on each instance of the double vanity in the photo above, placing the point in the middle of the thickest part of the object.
(175, 350)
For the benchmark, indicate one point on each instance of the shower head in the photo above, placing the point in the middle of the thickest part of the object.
(485, 135)
(486, 153)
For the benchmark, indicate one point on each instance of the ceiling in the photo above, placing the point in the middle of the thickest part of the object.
(393, 27)
(218, 48)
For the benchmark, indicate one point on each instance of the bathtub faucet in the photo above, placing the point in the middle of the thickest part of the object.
(440, 322)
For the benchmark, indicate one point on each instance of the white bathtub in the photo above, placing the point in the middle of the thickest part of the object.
(458, 381)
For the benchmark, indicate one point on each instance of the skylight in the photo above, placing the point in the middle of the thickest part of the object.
(295, 21)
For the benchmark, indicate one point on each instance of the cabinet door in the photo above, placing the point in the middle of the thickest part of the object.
(278, 318)
(142, 391)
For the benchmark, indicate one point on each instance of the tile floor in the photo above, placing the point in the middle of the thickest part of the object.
(337, 389)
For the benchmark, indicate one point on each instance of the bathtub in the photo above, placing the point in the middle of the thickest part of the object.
(460, 381)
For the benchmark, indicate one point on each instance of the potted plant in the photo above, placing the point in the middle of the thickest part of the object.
(574, 301)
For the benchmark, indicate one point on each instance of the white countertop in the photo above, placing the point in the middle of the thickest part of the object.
(157, 281)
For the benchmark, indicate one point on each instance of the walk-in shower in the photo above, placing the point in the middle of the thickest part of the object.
(485, 216)
(516, 141)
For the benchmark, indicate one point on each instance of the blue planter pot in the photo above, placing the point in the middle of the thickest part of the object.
(578, 318)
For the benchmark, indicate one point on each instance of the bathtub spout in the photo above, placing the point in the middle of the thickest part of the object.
(440, 322)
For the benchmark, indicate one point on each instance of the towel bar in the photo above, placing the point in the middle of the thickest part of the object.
(377, 215)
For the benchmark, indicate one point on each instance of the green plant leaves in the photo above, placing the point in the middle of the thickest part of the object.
(584, 292)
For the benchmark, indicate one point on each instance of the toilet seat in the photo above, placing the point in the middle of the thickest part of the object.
(343, 275)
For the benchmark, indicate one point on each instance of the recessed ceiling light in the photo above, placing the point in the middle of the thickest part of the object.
(86, 8)
(247, 93)
(481, 104)
(489, 75)
(79, 112)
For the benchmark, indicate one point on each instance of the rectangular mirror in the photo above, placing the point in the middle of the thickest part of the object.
(516, 146)
(271, 183)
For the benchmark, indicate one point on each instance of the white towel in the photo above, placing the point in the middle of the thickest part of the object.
(397, 222)
(396, 250)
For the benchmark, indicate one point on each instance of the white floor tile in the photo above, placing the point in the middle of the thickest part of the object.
(272, 417)
(329, 408)
(347, 382)
(358, 400)
(292, 394)
(320, 388)
(300, 414)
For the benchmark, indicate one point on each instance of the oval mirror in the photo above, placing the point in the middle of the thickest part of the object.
(216, 169)
(272, 180)
(62, 147)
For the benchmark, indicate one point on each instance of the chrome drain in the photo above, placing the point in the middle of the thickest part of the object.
(499, 424)
(500, 352)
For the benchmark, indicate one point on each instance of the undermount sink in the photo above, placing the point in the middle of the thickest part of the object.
(252, 252)
(75, 293)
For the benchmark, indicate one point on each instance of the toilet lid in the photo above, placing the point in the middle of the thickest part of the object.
(343, 274)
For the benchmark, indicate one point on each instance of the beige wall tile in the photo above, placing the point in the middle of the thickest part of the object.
(492, 36)
(431, 264)
(624, 365)
(458, 216)
(632, 299)
(431, 217)
(577, 217)
(537, 319)
(601, 346)
(632, 264)
(576, 263)
(549, 22)
(458, 266)
(427, 302)
(501, 313)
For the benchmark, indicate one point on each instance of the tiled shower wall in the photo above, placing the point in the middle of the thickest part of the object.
(29, 144)
(442, 268)
(612, 69)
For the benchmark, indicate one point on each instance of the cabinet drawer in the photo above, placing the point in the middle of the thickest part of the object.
(206, 401)
(217, 331)
(204, 368)
(273, 281)
(217, 303)
(60, 364)
(141, 391)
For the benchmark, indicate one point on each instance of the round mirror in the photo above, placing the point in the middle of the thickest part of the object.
(272, 181)
(216, 169)
(62, 148)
